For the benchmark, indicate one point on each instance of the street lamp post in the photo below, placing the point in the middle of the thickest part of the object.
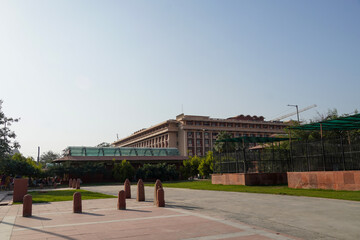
(297, 111)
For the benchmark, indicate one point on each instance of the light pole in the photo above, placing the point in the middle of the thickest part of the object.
(297, 111)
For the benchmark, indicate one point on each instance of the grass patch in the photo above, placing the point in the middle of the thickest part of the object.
(281, 190)
(64, 195)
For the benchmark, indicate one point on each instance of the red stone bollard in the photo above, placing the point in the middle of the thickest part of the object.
(121, 200)
(160, 202)
(78, 183)
(70, 183)
(27, 205)
(77, 206)
(127, 188)
(74, 183)
(140, 191)
(158, 185)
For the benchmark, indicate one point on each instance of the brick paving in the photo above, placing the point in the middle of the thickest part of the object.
(101, 220)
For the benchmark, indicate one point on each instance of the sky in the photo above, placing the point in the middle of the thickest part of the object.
(79, 73)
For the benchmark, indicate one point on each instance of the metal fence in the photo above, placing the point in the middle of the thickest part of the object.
(337, 154)
(329, 155)
(252, 161)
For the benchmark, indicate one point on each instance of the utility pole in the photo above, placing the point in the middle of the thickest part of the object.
(297, 111)
(38, 157)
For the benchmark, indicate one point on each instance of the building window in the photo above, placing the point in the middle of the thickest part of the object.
(189, 123)
(198, 135)
(213, 124)
(190, 134)
(198, 123)
(206, 124)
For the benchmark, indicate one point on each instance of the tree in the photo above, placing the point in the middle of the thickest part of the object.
(123, 170)
(206, 164)
(224, 146)
(48, 157)
(7, 137)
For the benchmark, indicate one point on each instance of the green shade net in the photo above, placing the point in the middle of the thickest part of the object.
(254, 139)
(343, 123)
(120, 151)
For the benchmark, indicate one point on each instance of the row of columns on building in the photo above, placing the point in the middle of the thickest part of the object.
(159, 196)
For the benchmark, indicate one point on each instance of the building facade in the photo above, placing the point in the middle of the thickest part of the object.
(196, 135)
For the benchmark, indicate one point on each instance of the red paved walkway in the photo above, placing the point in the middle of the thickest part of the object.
(101, 220)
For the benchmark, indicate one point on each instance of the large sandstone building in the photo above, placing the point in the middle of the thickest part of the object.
(196, 135)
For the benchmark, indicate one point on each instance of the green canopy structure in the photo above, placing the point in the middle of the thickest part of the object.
(343, 123)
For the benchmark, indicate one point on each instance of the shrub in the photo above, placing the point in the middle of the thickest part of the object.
(123, 170)
(160, 171)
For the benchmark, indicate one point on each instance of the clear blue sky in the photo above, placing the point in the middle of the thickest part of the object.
(80, 72)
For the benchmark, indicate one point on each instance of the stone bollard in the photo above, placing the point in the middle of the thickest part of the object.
(27, 205)
(140, 191)
(121, 200)
(41, 186)
(77, 207)
(160, 199)
(70, 183)
(78, 183)
(74, 183)
(158, 185)
(55, 185)
(127, 188)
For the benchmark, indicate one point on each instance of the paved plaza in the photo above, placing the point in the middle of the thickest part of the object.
(101, 220)
(189, 214)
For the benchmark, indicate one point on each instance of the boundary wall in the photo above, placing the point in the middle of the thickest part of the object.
(331, 180)
(249, 179)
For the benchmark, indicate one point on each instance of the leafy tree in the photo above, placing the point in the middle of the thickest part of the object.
(123, 170)
(7, 137)
(48, 157)
(190, 167)
(206, 164)
(224, 146)
(18, 165)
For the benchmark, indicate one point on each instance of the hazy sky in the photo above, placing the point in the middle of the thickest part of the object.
(80, 72)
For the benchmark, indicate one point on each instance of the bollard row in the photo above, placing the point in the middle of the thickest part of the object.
(159, 196)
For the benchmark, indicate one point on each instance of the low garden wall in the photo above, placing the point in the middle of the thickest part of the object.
(249, 179)
(333, 180)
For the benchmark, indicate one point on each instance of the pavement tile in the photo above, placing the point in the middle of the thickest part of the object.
(101, 220)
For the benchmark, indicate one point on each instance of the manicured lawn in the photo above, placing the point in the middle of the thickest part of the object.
(283, 190)
(64, 195)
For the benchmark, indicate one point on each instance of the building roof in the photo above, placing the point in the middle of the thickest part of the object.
(120, 153)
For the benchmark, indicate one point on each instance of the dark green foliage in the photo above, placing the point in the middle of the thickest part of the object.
(77, 171)
(18, 165)
(123, 170)
(161, 171)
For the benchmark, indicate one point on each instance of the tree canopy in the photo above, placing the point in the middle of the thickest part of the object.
(7, 137)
